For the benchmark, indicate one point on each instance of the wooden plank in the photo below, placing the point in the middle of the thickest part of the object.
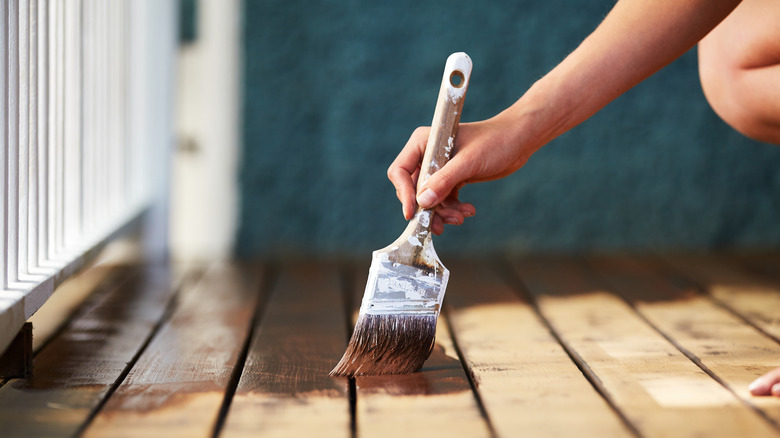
(436, 401)
(525, 378)
(733, 351)
(74, 372)
(753, 297)
(284, 388)
(767, 264)
(658, 389)
(177, 386)
(68, 296)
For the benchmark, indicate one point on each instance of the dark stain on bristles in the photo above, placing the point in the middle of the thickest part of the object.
(388, 344)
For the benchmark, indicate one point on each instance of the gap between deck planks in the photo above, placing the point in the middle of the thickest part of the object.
(669, 347)
(525, 378)
(658, 388)
(74, 373)
(720, 342)
(436, 401)
(284, 389)
(177, 386)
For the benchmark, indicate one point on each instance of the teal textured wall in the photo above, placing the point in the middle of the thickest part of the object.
(334, 88)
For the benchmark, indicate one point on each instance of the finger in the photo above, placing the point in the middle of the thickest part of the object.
(404, 170)
(467, 210)
(768, 384)
(451, 201)
(410, 204)
(439, 185)
(404, 189)
(438, 225)
(415, 176)
(450, 216)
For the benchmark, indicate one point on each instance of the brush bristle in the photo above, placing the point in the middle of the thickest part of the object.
(388, 344)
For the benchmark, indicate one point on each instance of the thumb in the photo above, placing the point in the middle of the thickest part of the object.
(439, 185)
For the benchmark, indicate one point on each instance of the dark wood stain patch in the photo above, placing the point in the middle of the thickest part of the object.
(196, 349)
(441, 373)
(300, 338)
(138, 360)
(78, 367)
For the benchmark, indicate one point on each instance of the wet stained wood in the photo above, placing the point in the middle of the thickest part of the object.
(522, 373)
(177, 386)
(284, 389)
(624, 321)
(436, 401)
(658, 389)
(74, 372)
(763, 264)
(68, 296)
(754, 297)
(733, 351)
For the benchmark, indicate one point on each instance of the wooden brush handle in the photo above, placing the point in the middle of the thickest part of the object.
(414, 246)
(441, 140)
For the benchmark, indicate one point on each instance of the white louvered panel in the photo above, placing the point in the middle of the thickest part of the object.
(26, 278)
(69, 178)
(31, 245)
(48, 134)
(12, 147)
(71, 148)
(54, 180)
(4, 133)
(24, 137)
(88, 116)
(44, 130)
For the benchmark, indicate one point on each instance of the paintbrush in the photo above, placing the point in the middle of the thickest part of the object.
(396, 327)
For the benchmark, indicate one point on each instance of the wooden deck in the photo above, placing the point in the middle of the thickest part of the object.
(534, 346)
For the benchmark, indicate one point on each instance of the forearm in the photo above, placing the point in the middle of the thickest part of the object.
(636, 39)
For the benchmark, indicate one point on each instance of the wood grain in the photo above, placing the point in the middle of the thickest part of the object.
(436, 401)
(285, 389)
(522, 373)
(177, 386)
(753, 297)
(623, 321)
(733, 351)
(74, 372)
(659, 390)
(59, 308)
(767, 264)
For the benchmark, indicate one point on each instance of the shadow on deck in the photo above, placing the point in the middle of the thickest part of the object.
(538, 346)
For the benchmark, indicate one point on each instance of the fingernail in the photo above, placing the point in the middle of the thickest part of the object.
(756, 386)
(776, 390)
(427, 198)
(452, 221)
(468, 213)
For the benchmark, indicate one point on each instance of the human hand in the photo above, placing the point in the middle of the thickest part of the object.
(768, 384)
(483, 151)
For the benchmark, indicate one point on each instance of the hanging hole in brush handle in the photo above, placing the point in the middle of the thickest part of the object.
(446, 116)
(415, 244)
(457, 79)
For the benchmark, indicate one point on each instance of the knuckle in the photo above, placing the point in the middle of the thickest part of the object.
(420, 130)
(445, 179)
